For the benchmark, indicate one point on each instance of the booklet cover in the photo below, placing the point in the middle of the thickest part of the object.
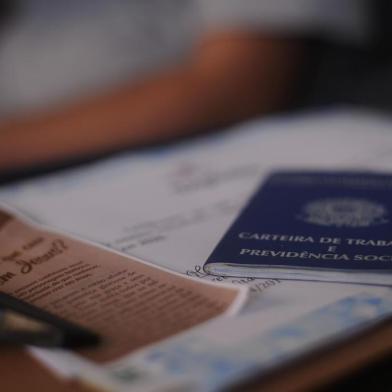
(328, 226)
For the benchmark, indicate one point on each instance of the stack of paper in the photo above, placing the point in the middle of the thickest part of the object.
(172, 205)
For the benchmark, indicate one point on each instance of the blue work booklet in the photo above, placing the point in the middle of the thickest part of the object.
(327, 226)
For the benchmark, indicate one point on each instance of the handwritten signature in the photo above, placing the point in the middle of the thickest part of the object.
(256, 284)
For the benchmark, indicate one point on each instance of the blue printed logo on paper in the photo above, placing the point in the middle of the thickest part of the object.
(344, 212)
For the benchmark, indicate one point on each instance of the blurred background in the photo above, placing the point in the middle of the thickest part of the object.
(85, 78)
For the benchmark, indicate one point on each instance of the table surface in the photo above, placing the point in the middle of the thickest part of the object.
(20, 372)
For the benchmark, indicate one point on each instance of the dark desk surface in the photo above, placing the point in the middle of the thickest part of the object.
(19, 372)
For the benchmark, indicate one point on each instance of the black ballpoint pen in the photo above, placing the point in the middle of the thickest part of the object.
(22, 323)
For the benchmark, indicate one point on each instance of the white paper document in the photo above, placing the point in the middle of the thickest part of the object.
(170, 206)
